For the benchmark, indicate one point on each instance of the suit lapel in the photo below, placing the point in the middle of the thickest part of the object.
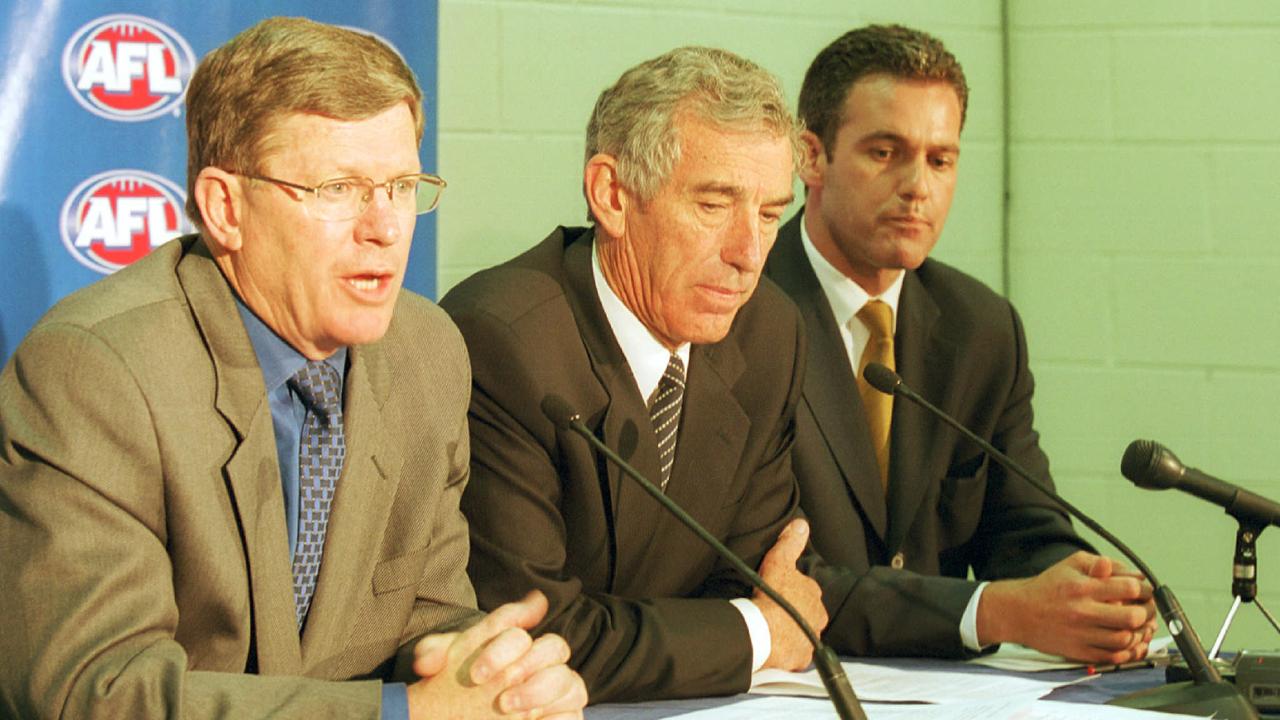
(623, 418)
(636, 516)
(925, 359)
(830, 392)
(361, 506)
(713, 432)
(251, 471)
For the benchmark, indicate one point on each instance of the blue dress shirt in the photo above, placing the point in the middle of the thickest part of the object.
(279, 362)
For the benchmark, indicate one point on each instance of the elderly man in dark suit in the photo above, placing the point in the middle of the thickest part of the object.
(651, 325)
(890, 491)
(230, 474)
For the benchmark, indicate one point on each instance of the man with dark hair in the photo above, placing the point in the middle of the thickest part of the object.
(651, 325)
(889, 490)
(230, 473)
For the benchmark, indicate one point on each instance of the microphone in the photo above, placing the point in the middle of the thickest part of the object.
(1207, 692)
(560, 412)
(1150, 465)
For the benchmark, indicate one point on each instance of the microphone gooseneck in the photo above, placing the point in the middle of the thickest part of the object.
(562, 414)
(881, 377)
(1209, 691)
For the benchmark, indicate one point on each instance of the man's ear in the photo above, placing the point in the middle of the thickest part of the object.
(220, 197)
(606, 197)
(813, 160)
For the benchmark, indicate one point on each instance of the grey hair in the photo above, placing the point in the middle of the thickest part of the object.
(634, 119)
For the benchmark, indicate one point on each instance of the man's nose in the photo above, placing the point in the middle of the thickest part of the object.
(380, 222)
(915, 180)
(745, 245)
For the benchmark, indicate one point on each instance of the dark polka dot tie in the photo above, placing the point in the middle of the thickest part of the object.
(320, 456)
(664, 412)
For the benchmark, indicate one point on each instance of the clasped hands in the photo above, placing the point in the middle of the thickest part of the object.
(1086, 607)
(495, 669)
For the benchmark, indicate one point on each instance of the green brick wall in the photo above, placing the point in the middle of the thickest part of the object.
(518, 79)
(1144, 251)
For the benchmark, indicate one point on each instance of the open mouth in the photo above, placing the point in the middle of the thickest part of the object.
(366, 283)
(370, 286)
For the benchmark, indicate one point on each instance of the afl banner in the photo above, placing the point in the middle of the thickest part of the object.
(92, 131)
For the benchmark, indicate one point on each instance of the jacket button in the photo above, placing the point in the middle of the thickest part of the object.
(898, 561)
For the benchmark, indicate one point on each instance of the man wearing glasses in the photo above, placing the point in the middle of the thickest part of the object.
(230, 474)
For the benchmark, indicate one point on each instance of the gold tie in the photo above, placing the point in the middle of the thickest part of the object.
(878, 317)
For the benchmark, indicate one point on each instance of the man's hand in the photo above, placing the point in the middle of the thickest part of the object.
(1085, 607)
(790, 648)
(494, 669)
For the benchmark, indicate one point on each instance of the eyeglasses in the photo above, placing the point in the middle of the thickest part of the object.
(346, 198)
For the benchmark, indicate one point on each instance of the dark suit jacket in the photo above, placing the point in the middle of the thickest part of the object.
(639, 598)
(950, 509)
(146, 564)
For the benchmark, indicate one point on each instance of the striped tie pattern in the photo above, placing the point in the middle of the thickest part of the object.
(320, 456)
(664, 412)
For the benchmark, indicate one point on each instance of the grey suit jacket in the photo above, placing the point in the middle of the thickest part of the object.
(639, 598)
(146, 567)
(949, 509)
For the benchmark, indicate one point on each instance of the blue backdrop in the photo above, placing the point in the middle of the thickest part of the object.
(92, 140)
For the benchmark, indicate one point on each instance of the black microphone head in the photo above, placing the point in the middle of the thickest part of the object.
(559, 411)
(881, 378)
(1150, 465)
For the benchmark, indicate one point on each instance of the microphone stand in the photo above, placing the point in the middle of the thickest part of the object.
(1244, 579)
(828, 664)
(1207, 693)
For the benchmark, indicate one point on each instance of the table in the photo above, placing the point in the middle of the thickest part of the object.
(1097, 691)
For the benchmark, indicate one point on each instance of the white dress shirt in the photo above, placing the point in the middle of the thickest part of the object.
(648, 360)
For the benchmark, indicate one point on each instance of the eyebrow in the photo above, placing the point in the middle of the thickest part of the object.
(901, 140)
(736, 192)
(786, 200)
(347, 171)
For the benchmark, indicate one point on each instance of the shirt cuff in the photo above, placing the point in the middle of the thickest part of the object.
(969, 621)
(757, 631)
(395, 701)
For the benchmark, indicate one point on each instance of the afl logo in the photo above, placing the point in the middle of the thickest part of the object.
(126, 67)
(116, 217)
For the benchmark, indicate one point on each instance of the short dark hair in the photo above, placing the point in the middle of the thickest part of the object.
(875, 49)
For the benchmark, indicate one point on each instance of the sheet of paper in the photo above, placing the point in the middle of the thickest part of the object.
(1018, 658)
(991, 709)
(911, 681)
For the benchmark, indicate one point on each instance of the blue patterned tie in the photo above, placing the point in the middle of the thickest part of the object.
(320, 457)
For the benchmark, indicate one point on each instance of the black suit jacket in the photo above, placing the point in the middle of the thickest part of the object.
(949, 508)
(641, 601)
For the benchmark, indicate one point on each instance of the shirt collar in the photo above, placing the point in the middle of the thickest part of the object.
(647, 357)
(277, 358)
(846, 296)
